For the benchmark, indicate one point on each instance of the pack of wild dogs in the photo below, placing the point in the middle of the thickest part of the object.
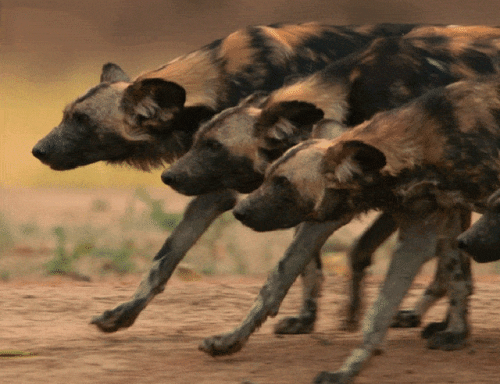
(318, 124)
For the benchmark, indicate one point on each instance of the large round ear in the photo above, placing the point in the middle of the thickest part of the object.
(299, 113)
(112, 73)
(288, 118)
(344, 160)
(153, 99)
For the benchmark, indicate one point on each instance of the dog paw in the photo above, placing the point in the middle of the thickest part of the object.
(406, 319)
(447, 341)
(332, 378)
(122, 316)
(221, 345)
(433, 328)
(295, 325)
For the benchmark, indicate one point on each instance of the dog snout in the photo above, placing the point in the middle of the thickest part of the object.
(40, 152)
(240, 214)
(168, 178)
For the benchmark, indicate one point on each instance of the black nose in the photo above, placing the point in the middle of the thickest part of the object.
(168, 178)
(240, 214)
(462, 244)
(39, 153)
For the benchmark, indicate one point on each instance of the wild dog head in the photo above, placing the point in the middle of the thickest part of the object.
(482, 240)
(120, 121)
(225, 155)
(289, 193)
(222, 155)
(315, 181)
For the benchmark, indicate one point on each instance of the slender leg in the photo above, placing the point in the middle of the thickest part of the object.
(416, 244)
(199, 214)
(453, 332)
(307, 242)
(360, 257)
(453, 276)
(435, 291)
(312, 280)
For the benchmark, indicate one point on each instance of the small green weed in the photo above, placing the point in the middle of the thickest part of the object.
(118, 259)
(4, 275)
(99, 205)
(164, 220)
(6, 237)
(62, 263)
(29, 229)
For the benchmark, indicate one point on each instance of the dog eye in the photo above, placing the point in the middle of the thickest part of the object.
(269, 154)
(281, 181)
(213, 145)
(82, 118)
(272, 141)
(83, 122)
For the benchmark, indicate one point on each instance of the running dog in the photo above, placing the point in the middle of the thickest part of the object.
(235, 147)
(427, 162)
(151, 120)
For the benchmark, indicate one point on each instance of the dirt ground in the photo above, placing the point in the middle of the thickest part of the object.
(48, 318)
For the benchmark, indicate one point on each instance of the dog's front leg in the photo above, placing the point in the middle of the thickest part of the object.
(199, 214)
(308, 240)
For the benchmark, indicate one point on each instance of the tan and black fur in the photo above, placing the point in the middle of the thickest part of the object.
(386, 74)
(235, 147)
(151, 120)
(427, 162)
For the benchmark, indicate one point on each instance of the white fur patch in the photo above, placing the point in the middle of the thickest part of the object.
(344, 172)
(282, 129)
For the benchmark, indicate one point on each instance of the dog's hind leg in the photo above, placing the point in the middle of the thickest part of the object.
(360, 258)
(453, 332)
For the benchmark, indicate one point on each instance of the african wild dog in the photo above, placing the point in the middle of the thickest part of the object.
(384, 75)
(388, 73)
(482, 240)
(151, 120)
(426, 162)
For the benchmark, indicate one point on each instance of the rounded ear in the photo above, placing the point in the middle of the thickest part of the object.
(345, 159)
(369, 158)
(164, 93)
(299, 113)
(153, 99)
(112, 73)
(287, 119)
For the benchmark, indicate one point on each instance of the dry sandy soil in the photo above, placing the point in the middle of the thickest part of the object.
(48, 317)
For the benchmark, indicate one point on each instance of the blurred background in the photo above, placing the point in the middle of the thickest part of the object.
(52, 51)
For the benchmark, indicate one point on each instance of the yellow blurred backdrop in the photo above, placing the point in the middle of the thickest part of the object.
(28, 112)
